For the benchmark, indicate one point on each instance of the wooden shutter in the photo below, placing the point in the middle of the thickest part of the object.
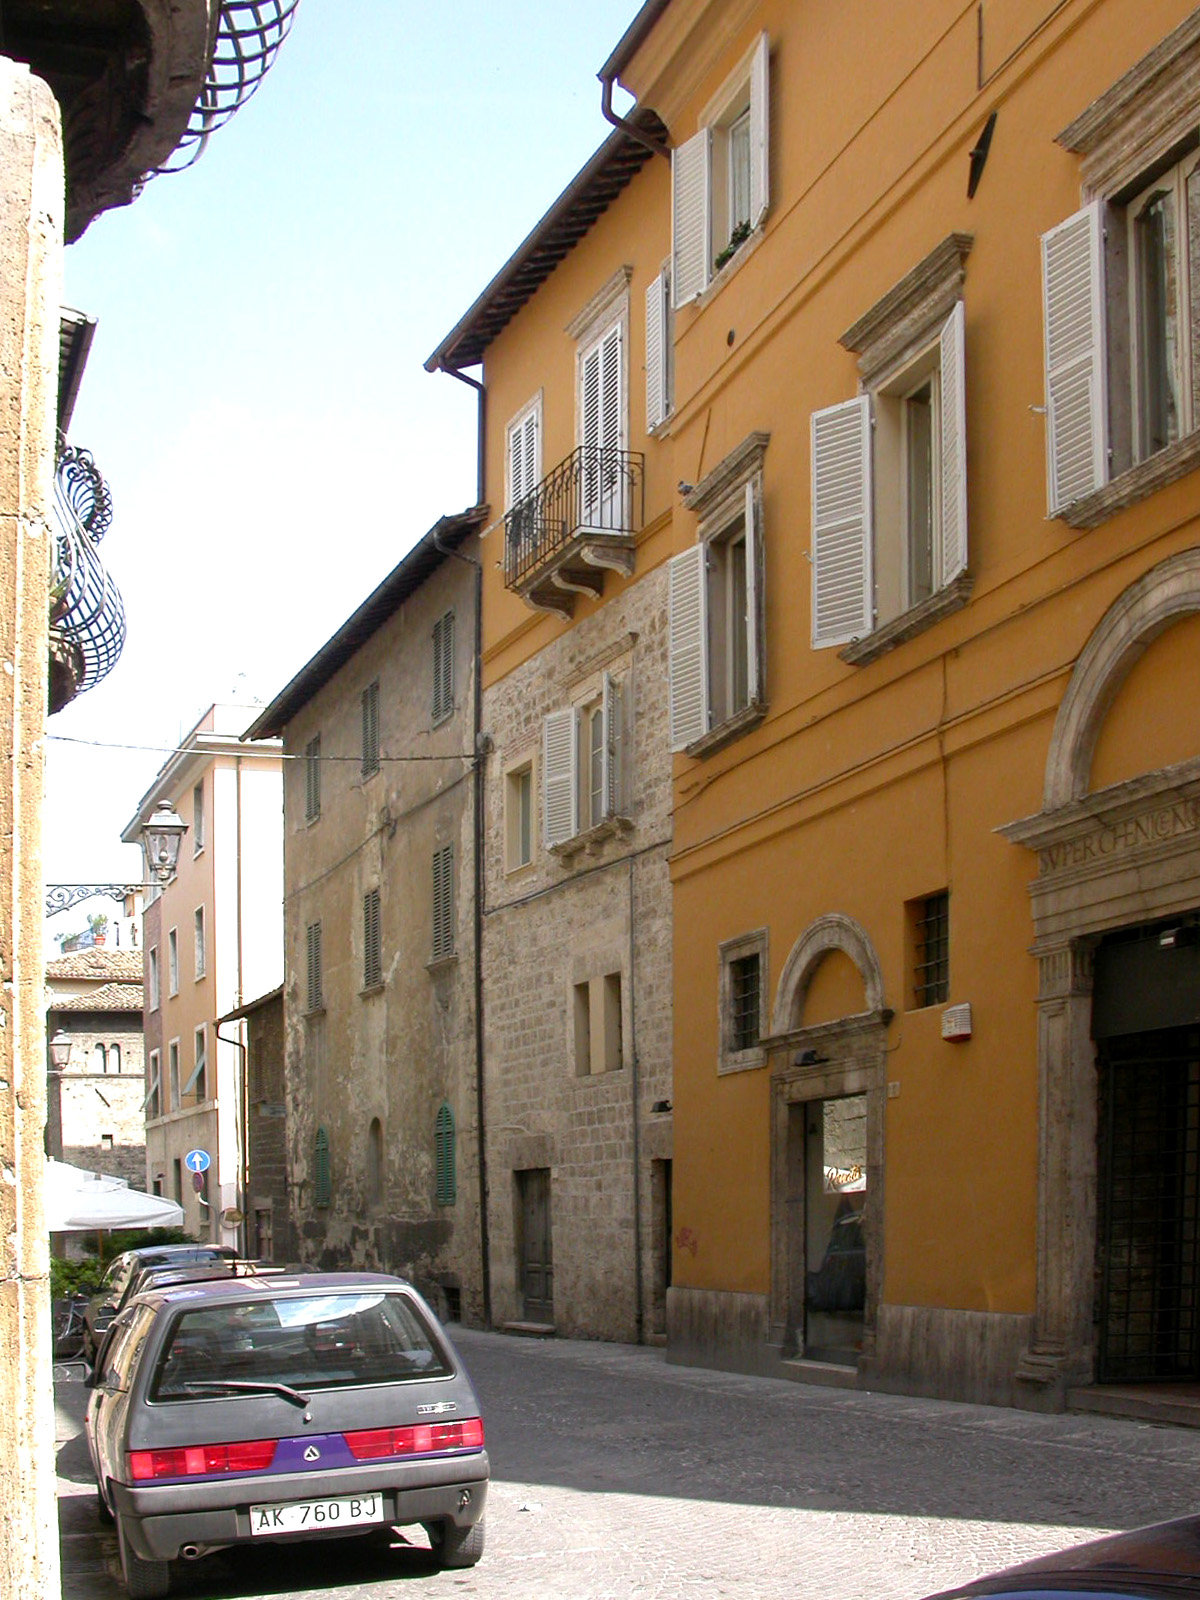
(322, 1170)
(754, 592)
(687, 634)
(760, 76)
(446, 1178)
(954, 448)
(841, 519)
(691, 250)
(524, 466)
(1073, 306)
(443, 666)
(602, 430)
(658, 350)
(314, 973)
(611, 775)
(560, 792)
(370, 729)
(312, 779)
(443, 902)
(372, 943)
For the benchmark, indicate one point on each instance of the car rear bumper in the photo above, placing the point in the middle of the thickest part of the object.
(160, 1519)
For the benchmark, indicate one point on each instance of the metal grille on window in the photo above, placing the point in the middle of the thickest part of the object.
(443, 666)
(443, 902)
(744, 993)
(370, 729)
(313, 950)
(931, 974)
(312, 779)
(322, 1170)
(372, 952)
(444, 1163)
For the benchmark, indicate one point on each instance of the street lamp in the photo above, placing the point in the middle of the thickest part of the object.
(60, 1051)
(160, 840)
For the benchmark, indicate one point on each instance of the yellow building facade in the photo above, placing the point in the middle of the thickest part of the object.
(934, 584)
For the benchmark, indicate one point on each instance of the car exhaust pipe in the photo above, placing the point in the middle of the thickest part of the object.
(190, 1552)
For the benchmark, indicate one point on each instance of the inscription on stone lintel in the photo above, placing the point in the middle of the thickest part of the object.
(1132, 833)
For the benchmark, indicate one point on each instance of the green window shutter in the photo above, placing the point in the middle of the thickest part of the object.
(322, 1172)
(444, 1163)
(372, 942)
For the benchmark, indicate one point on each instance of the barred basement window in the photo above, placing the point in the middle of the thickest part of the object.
(443, 667)
(931, 964)
(444, 1162)
(312, 779)
(314, 998)
(744, 1002)
(443, 902)
(372, 951)
(322, 1171)
(370, 729)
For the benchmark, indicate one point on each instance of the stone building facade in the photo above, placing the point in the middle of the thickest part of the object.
(266, 1226)
(379, 998)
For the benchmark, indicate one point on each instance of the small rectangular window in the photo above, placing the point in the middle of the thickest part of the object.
(741, 1002)
(518, 817)
(312, 779)
(173, 961)
(198, 818)
(173, 1073)
(372, 946)
(201, 954)
(744, 1002)
(197, 1085)
(930, 923)
(370, 729)
(314, 998)
(597, 1023)
(152, 965)
(443, 667)
(153, 1102)
(443, 902)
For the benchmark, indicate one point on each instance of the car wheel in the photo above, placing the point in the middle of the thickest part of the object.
(453, 1546)
(145, 1580)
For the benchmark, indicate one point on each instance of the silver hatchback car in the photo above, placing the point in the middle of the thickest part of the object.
(309, 1406)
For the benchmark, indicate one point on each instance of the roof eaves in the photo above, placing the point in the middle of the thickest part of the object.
(423, 559)
(631, 40)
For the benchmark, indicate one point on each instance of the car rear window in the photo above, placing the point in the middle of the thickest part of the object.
(315, 1341)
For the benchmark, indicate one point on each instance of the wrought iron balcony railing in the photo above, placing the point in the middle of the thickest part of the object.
(594, 496)
(87, 615)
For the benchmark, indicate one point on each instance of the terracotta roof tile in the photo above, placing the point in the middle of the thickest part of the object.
(108, 997)
(114, 966)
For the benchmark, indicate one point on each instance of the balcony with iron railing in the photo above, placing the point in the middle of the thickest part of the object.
(87, 614)
(582, 519)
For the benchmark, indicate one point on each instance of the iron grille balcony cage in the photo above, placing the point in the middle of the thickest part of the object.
(249, 34)
(86, 609)
(595, 490)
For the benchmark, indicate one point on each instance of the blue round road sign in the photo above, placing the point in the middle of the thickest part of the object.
(197, 1161)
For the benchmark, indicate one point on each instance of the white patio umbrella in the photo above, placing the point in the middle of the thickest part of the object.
(81, 1202)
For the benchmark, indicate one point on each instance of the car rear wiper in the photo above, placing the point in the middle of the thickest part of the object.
(240, 1385)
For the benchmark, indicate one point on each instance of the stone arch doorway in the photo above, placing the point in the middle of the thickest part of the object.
(1118, 858)
(827, 1106)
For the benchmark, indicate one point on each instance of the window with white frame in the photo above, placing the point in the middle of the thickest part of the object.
(715, 606)
(524, 456)
(173, 1073)
(518, 816)
(443, 903)
(660, 351)
(312, 779)
(153, 977)
(584, 764)
(602, 429)
(889, 481)
(198, 818)
(153, 1101)
(173, 961)
(443, 667)
(197, 1084)
(199, 946)
(719, 178)
(1121, 292)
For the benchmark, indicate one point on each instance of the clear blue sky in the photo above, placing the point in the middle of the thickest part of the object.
(255, 395)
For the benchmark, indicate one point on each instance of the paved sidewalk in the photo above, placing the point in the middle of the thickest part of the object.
(619, 1477)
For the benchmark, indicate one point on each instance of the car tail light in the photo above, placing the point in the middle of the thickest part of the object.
(202, 1460)
(373, 1444)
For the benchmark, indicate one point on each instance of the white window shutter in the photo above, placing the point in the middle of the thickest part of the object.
(612, 409)
(1073, 305)
(842, 580)
(754, 608)
(656, 352)
(610, 766)
(523, 457)
(691, 252)
(559, 790)
(954, 446)
(687, 634)
(760, 117)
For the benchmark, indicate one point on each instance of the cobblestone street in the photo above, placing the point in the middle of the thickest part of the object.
(616, 1475)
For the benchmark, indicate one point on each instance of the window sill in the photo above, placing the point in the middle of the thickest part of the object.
(370, 989)
(590, 840)
(442, 963)
(726, 732)
(742, 1061)
(1134, 484)
(315, 1011)
(909, 623)
(722, 275)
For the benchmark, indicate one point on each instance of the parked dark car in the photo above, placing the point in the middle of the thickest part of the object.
(117, 1283)
(288, 1407)
(1161, 1562)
